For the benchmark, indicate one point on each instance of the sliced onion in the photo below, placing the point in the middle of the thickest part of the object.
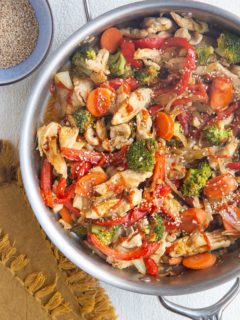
(140, 265)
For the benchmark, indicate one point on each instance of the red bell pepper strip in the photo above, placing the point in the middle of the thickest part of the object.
(79, 169)
(159, 170)
(62, 183)
(117, 158)
(233, 166)
(46, 182)
(151, 43)
(117, 82)
(189, 64)
(80, 155)
(128, 50)
(67, 196)
(146, 250)
(151, 266)
(155, 108)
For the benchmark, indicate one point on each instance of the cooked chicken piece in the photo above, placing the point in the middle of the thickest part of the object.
(133, 241)
(81, 203)
(175, 64)
(119, 135)
(55, 158)
(236, 70)
(150, 26)
(47, 144)
(114, 207)
(99, 66)
(134, 33)
(82, 87)
(124, 180)
(46, 133)
(217, 69)
(149, 57)
(101, 129)
(121, 96)
(66, 95)
(189, 23)
(138, 100)
(198, 242)
(144, 124)
(102, 209)
(154, 25)
(172, 206)
(91, 137)
(194, 38)
(68, 138)
(57, 208)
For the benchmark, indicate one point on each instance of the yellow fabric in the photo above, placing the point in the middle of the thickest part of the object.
(36, 280)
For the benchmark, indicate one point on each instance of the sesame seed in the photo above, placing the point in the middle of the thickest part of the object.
(18, 32)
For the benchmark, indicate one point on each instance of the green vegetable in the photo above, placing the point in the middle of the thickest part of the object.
(118, 66)
(140, 155)
(229, 47)
(216, 135)
(146, 76)
(196, 179)
(83, 119)
(203, 54)
(157, 228)
(104, 234)
(79, 60)
(80, 230)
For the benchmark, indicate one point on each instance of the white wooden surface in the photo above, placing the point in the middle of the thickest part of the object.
(69, 16)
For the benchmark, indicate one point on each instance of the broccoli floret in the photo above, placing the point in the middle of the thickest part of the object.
(79, 59)
(203, 54)
(83, 119)
(156, 228)
(140, 155)
(229, 47)
(118, 66)
(196, 179)
(146, 76)
(216, 135)
(104, 234)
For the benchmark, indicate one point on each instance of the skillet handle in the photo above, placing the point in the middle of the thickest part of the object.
(213, 312)
(87, 10)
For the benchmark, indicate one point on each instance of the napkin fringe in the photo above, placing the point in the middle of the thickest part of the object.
(91, 299)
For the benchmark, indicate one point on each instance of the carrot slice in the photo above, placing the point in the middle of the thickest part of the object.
(220, 186)
(200, 261)
(99, 101)
(164, 125)
(159, 169)
(221, 93)
(85, 184)
(65, 214)
(193, 218)
(111, 39)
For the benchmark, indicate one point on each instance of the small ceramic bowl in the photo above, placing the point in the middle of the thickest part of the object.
(25, 68)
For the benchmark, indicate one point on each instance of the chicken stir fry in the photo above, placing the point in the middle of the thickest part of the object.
(143, 165)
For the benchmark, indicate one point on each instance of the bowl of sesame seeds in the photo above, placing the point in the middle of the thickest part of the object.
(26, 29)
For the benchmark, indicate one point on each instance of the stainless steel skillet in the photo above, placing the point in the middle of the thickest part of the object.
(187, 283)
